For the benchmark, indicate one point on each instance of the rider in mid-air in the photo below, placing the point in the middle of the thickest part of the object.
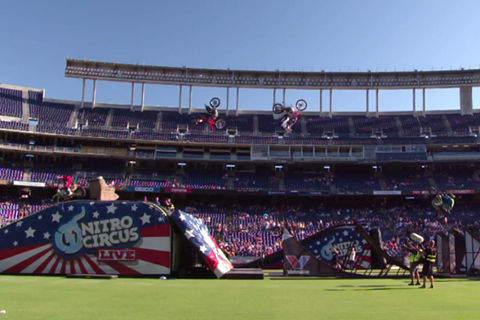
(289, 119)
(67, 183)
(443, 203)
(210, 116)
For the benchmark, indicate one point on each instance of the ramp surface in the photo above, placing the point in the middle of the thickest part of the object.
(199, 237)
(300, 262)
(342, 237)
(86, 237)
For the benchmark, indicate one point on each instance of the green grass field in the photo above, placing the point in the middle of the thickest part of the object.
(25, 297)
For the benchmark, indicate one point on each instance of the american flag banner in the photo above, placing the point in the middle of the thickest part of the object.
(197, 233)
(123, 238)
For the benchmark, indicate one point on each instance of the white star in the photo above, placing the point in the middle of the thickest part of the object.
(19, 223)
(325, 239)
(345, 233)
(70, 208)
(182, 217)
(315, 251)
(96, 214)
(111, 208)
(364, 241)
(6, 231)
(341, 240)
(134, 207)
(15, 243)
(92, 203)
(145, 218)
(318, 243)
(39, 217)
(161, 218)
(189, 234)
(56, 217)
(203, 249)
(30, 232)
(46, 235)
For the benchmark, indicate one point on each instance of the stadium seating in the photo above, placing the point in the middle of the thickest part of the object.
(49, 112)
(297, 181)
(123, 117)
(10, 172)
(254, 181)
(407, 182)
(365, 126)
(355, 182)
(204, 180)
(11, 103)
(96, 117)
(54, 118)
(457, 180)
(318, 125)
(48, 174)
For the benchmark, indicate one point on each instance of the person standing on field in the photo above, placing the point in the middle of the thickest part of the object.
(430, 255)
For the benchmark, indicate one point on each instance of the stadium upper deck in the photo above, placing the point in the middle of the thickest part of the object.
(271, 79)
(416, 80)
(20, 105)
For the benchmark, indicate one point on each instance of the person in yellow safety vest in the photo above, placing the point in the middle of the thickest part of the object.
(430, 257)
(415, 255)
(168, 204)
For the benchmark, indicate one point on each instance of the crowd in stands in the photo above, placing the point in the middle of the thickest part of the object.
(345, 181)
(255, 230)
(117, 122)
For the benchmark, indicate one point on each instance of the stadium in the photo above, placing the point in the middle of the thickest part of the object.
(365, 177)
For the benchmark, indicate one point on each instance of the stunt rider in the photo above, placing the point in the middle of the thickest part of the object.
(289, 119)
(443, 203)
(67, 182)
(211, 115)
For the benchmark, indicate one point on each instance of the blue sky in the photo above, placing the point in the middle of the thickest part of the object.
(37, 36)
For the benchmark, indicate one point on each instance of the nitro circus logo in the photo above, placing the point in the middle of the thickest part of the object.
(76, 237)
(342, 247)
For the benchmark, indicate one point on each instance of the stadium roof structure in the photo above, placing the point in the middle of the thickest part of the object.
(276, 80)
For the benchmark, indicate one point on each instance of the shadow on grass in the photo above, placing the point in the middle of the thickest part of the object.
(372, 288)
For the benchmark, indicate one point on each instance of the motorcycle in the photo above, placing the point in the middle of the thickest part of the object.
(78, 192)
(280, 111)
(214, 123)
(279, 108)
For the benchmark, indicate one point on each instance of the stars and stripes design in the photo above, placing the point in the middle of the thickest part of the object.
(342, 238)
(197, 233)
(29, 245)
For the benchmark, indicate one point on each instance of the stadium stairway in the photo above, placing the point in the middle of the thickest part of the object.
(447, 125)
(351, 124)
(381, 180)
(108, 122)
(158, 124)
(303, 122)
(333, 188)
(255, 125)
(476, 174)
(25, 107)
(399, 126)
(73, 117)
(27, 172)
(433, 183)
